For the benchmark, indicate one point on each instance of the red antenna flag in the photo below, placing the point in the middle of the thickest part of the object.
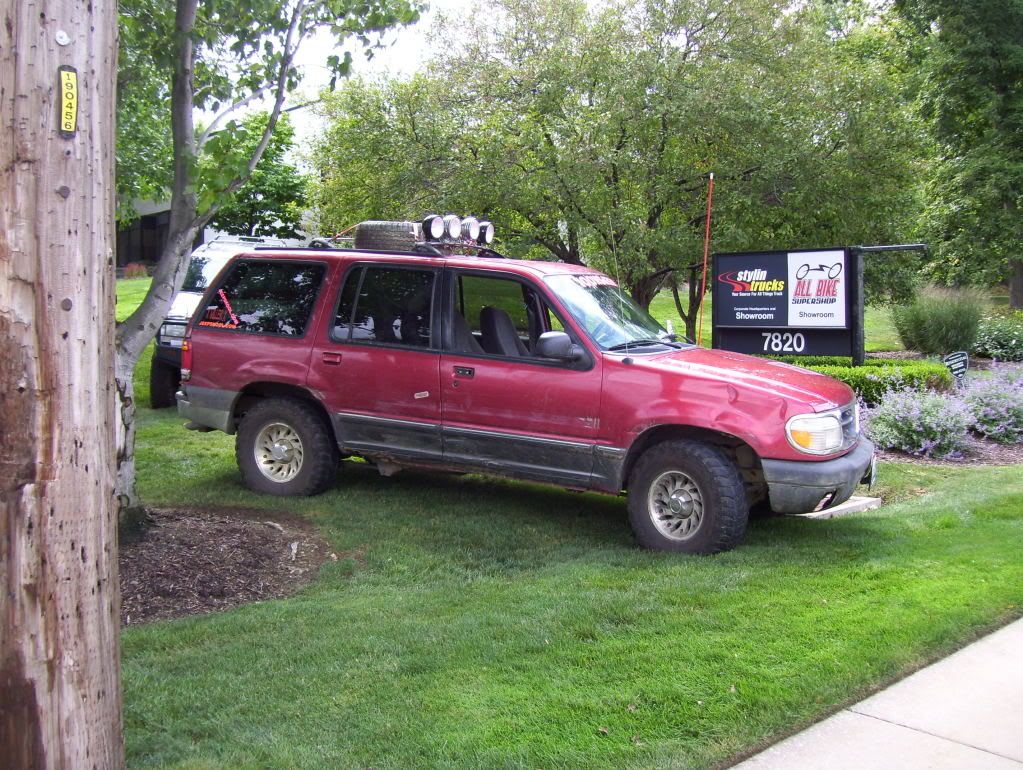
(706, 255)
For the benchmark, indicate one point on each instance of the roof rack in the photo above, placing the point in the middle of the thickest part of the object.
(424, 249)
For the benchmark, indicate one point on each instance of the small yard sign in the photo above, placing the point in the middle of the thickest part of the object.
(957, 364)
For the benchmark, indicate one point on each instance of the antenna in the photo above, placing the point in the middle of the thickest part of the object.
(618, 280)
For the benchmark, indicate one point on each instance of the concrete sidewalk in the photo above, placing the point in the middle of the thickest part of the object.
(963, 713)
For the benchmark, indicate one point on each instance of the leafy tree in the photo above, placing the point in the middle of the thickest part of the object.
(588, 135)
(220, 57)
(973, 98)
(271, 201)
(144, 143)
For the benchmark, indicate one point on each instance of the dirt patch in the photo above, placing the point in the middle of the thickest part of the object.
(978, 452)
(194, 562)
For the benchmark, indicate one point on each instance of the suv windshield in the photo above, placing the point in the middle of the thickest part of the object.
(609, 315)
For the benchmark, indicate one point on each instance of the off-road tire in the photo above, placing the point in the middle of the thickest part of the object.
(318, 467)
(164, 380)
(724, 511)
(385, 236)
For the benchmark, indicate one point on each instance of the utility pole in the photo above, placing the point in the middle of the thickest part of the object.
(60, 688)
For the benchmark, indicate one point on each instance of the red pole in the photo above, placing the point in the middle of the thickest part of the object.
(706, 255)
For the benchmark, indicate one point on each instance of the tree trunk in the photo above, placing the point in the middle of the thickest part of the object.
(60, 692)
(644, 289)
(1016, 284)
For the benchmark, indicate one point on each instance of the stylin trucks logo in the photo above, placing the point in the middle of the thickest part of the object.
(746, 283)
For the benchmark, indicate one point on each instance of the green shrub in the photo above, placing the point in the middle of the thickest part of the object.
(1000, 337)
(878, 375)
(872, 382)
(810, 362)
(939, 321)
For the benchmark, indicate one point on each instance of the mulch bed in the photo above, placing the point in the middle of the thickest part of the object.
(193, 562)
(978, 452)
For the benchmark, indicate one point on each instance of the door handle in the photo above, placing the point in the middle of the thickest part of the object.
(464, 371)
(332, 359)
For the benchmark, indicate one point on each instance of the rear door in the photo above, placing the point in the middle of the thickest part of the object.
(376, 364)
(510, 411)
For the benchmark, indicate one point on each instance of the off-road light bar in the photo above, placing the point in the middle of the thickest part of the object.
(451, 227)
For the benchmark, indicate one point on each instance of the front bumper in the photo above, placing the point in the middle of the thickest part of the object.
(799, 486)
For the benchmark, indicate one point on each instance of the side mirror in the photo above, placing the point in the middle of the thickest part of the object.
(558, 345)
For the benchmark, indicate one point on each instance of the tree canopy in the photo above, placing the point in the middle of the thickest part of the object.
(271, 202)
(588, 135)
(972, 96)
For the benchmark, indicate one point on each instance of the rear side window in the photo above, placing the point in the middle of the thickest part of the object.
(265, 298)
(388, 305)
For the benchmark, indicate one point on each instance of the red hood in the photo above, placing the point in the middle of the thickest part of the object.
(774, 377)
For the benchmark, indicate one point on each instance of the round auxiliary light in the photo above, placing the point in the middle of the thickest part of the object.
(452, 225)
(471, 228)
(433, 227)
(486, 236)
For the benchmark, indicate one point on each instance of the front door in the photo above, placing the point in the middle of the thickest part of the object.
(377, 366)
(505, 409)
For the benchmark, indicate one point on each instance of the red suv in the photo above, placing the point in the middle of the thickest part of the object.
(428, 357)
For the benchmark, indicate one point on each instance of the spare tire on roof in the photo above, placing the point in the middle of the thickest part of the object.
(385, 236)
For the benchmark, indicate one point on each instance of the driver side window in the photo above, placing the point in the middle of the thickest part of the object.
(500, 316)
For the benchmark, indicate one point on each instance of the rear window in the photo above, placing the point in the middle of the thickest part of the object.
(265, 298)
(203, 268)
(392, 305)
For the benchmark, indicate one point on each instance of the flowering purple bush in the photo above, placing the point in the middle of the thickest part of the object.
(919, 422)
(996, 404)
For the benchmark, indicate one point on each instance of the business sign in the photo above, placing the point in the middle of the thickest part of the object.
(788, 302)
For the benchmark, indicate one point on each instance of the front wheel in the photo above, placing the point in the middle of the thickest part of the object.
(687, 496)
(284, 447)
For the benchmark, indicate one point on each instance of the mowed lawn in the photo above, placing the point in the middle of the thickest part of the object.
(471, 622)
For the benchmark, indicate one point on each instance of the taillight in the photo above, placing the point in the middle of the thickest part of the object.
(186, 360)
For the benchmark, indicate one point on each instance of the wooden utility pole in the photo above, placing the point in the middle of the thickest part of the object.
(60, 693)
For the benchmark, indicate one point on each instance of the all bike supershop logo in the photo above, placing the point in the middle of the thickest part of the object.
(753, 282)
(818, 283)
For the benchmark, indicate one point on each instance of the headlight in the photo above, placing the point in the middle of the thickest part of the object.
(172, 330)
(816, 434)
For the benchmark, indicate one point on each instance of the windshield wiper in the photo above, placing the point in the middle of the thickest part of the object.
(643, 343)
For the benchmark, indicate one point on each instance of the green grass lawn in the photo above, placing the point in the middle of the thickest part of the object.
(130, 293)
(480, 623)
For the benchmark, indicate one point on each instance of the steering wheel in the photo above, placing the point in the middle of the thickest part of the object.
(604, 334)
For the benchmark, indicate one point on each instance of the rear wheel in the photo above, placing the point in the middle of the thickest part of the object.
(284, 447)
(164, 380)
(687, 496)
